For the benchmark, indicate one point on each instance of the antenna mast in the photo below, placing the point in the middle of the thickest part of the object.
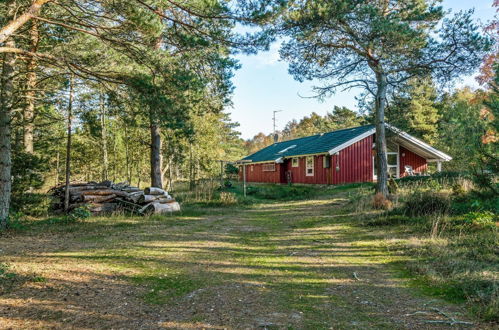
(273, 119)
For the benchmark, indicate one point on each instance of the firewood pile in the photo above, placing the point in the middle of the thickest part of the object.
(107, 197)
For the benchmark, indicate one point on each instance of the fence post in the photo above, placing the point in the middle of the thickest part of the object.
(244, 179)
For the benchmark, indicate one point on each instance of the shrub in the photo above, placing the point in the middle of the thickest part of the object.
(479, 220)
(392, 186)
(227, 198)
(78, 214)
(28, 171)
(251, 190)
(16, 221)
(31, 204)
(281, 192)
(380, 202)
(474, 202)
(426, 203)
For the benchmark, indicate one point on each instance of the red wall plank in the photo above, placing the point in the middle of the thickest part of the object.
(255, 173)
(418, 163)
(354, 163)
(299, 175)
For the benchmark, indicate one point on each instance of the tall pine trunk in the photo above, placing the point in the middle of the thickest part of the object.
(156, 157)
(29, 109)
(156, 166)
(68, 144)
(6, 97)
(127, 157)
(105, 160)
(381, 159)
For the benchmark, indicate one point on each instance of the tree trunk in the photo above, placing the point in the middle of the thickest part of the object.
(381, 160)
(57, 172)
(105, 160)
(156, 159)
(29, 109)
(6, 97)
(191, 169)
(68, 145)
(20, 20)
(127, 157)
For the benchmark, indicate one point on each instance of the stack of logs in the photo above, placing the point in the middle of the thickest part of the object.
(108, 197)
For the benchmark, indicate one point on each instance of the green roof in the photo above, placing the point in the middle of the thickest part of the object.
(315, 144)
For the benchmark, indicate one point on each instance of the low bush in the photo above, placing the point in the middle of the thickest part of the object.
(439, 178)
(474, 202)
(31, 204)
(281, 192)
(421, 203)
(79, 214)
(228, 198)
(380, 202)
(388, 219)
(477, 220)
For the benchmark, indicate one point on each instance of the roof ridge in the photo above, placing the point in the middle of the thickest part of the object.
(338, 130)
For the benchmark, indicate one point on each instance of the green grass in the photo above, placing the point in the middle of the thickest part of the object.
(294, 254)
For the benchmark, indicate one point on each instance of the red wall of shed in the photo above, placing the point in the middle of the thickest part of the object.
(298, 174)
(255, 173)
(354, 163)
(407, 157)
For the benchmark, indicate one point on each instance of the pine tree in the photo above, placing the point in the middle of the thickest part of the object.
(376, 45)
(415, 110)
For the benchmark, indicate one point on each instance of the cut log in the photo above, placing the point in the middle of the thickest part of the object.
(154, 191)
(105, 192)
(152, 198)
(98, 198)
(135, 196)
(76, 205)
(103, 208)
(159, 208)
(166, 200)
(132, 189)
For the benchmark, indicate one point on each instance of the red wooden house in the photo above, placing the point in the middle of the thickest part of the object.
(338, 157)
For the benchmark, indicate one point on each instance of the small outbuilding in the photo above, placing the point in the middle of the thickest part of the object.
(339, 157)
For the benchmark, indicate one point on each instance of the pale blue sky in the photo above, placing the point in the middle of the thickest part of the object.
(264, 85)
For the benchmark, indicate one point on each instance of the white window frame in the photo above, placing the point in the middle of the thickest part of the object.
(307, 166)
(397, 153)
(375, 177)
(270, 167)
(295, 162)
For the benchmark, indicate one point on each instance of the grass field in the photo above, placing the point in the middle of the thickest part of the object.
(268, 264)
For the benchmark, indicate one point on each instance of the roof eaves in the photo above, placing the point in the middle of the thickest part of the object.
(419, 143)
(352, 141)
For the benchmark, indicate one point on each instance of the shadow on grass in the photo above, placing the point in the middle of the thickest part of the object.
(287, 265)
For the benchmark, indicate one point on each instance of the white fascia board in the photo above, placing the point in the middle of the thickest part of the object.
(443, 156)
(352, 141)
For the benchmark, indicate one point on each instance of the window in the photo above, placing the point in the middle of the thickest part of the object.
(327, 161)
(309, 171)
(269, 167)
(251, 168)
(392, 159)
(295, 162)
